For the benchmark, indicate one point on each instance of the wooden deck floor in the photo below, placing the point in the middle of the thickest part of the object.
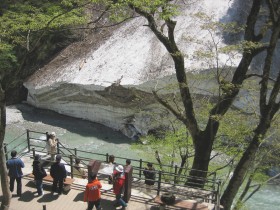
(73, 200)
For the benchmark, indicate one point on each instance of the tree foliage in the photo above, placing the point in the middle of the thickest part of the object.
(26, 27)
(263, 15)
(36, 18)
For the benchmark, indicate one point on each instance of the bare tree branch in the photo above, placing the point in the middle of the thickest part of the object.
(169, 107)
(258, 75)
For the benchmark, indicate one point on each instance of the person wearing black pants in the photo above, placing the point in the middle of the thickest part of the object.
(58, 173)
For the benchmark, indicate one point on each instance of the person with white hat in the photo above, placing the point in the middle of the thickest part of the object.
(118, 185)
(52, 145)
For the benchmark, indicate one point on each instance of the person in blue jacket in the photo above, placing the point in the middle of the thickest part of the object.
(14, 165)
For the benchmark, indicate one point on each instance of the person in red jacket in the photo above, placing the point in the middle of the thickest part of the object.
(92, 193)
(118, 185)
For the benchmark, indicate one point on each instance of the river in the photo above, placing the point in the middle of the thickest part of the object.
(72, 132)
(88, 136)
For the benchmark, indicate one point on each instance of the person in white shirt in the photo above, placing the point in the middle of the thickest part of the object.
(52, 145)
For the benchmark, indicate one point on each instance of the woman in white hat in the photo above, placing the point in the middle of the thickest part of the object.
(52, 145)
(118, 185)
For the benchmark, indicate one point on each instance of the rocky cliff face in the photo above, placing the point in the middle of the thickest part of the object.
(109, 79)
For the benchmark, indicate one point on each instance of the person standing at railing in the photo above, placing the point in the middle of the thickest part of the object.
(14, 165)
(150, 176)
(113, 165)
(127, 162)
(79, 169)
(52, 145)
(39, 173)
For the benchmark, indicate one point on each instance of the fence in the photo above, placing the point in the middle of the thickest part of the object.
(167, 180)
(20, 142)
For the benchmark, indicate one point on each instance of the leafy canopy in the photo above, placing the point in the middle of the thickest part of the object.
(24, 22)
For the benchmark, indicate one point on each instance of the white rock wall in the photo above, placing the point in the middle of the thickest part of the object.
(131, 55)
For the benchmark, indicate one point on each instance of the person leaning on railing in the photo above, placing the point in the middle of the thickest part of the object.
(150, 176)
(112, 163)
(79, 169)
(127, 162)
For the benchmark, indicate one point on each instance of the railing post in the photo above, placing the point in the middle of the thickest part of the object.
(47, 142)
(75, 150)
(28, 140)
(214, 181)
(217, 194)
(71, 166)
(159, 182)
(140, 168)
(176, 174)
(33, 152)
(6, 151)
(107, 158)
(58, 147)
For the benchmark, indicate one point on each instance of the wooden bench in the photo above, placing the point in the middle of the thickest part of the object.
(67, 183)
(184, 204)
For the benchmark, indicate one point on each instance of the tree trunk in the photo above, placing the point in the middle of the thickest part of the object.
(6, 199)
(239, 173)
(269, 105)
(203, 147)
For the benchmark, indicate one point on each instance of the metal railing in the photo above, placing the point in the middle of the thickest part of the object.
(19, 142)
(166, 180)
